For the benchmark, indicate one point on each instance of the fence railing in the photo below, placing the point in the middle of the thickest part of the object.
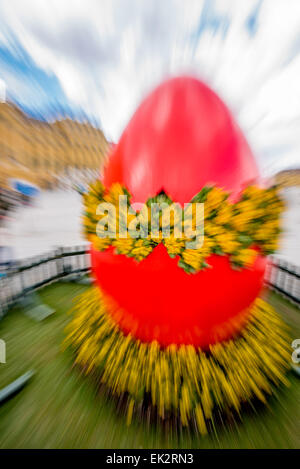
(284, 277)
(22, 277)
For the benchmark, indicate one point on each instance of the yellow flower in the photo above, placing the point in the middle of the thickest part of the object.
(145, 215)
(224, 214)
(241, 221)
(246, 257)
(89, 225)
(141, 249)
(254, 193)
(214, 199)
(267, 231)
(227, 242)
(130, 217)
(91, 210)
(100, 243)
(123, 245)
(207, 246)
(96, 188)
(90, 200)
(210, 229)
(114, 193)
(156, 239)
(194, 258)
(271, 245)
(174, 245)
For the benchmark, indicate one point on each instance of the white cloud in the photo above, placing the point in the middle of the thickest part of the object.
(107, 54)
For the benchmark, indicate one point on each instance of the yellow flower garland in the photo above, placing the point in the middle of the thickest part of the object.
(229, 229)
(193, 385)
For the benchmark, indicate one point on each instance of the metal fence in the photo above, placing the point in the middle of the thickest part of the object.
(22, 277)
(284, 277)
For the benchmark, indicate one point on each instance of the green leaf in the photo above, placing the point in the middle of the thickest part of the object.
(245, 240)
(202, 195)
(187, 268)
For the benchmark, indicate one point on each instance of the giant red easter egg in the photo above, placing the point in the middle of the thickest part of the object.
(181, 138)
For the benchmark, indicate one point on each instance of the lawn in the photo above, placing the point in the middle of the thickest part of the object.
(60, 408)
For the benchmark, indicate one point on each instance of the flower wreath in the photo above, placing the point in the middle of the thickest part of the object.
(184, 381)
(238, 230)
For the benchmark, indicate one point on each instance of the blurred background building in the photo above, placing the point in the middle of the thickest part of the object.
(288, 178)
(47, 153)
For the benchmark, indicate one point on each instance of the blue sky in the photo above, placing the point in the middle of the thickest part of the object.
(38, 92)
(96, 59)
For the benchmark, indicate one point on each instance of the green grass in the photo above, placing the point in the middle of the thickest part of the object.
(60, 408)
